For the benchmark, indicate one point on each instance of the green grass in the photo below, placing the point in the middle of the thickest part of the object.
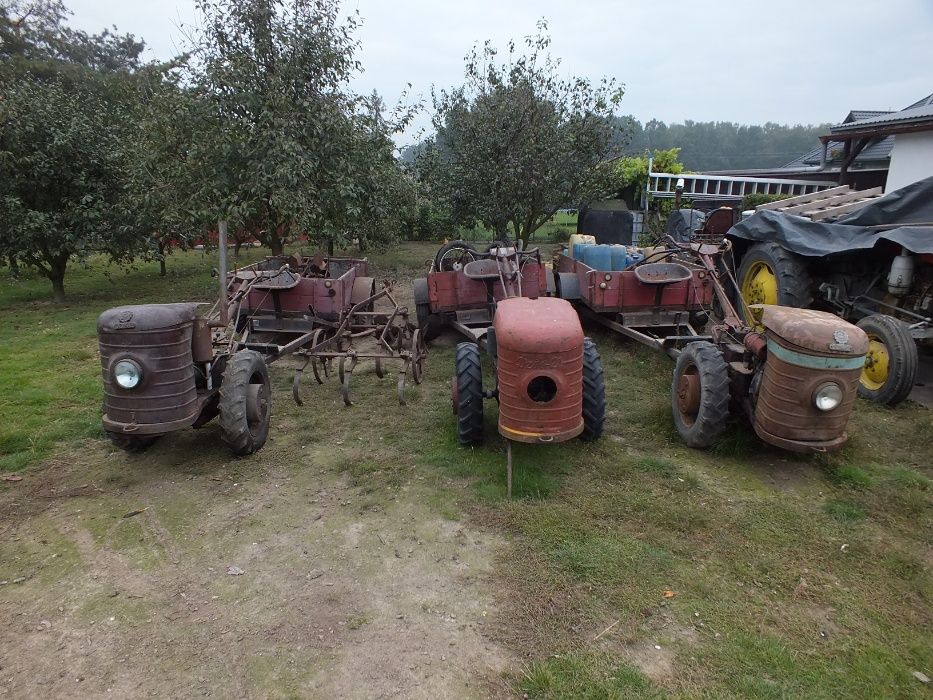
(791, 576)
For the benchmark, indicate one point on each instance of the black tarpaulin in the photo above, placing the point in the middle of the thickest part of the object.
(681, 223)
(909, 205)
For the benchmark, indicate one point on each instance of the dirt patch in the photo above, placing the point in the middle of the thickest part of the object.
(265, 582)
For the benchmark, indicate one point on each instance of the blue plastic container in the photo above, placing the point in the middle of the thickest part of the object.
(635, 258)
(619, 258)
(599, 257)
(580, 248)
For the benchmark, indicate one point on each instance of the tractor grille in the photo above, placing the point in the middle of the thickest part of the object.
(167, 390)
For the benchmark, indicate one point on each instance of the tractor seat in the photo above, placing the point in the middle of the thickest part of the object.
(285, 279)
(484, 269)
(662, 273)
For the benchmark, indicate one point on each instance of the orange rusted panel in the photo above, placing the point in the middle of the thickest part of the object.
(539, 345)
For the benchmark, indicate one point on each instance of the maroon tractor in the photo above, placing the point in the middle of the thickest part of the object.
(166, 367)
(796, 379)
(548, 376)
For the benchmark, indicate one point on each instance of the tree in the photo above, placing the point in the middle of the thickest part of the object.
(64, 119)
(283, 143)
(629, 175)
(517, 141)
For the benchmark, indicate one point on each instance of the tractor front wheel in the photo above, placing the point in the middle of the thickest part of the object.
(700, 394)
(771, 275)
(134, 444)
(891, 364)
(594, 392)
(467, 393)
(245, 402)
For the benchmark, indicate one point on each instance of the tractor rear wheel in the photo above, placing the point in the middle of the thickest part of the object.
(594, 392)
(700, 394)
(771, 275)
(430, 323)
(245, 402)
(454, 255)
(891, 364)
(468, 394)
(134, 444)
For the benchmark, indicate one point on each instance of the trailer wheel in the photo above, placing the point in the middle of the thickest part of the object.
(771, 275)
(467, 393)
(245, 402)
(453, 254)
(134, 444)
(891, 364)
(700, 394)
(430, 323)
(594, 392)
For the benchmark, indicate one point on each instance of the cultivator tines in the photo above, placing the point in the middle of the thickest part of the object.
(364, 333)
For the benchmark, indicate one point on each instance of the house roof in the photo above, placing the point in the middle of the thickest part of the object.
(875, 154)
(917, 116)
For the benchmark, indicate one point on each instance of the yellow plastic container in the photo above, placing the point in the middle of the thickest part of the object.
(577, 238)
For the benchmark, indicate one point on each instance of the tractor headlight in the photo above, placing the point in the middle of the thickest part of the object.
(127, 374)
(827, 396)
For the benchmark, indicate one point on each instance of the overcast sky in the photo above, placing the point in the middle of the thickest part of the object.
(786, 61)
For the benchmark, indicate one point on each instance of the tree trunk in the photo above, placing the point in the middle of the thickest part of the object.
(275, 243)
(330, 247)
(14, 267)
(58, 285)
(161, 258)
(56, 275)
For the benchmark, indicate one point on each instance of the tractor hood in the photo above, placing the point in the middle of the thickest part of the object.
(814, 332)
(542, 325)
(146, 317)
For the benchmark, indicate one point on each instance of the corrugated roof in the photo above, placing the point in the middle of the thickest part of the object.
(857, 114)
(878, 152)
(920, 103)
(919, 112)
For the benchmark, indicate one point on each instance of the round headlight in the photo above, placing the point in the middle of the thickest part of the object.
(827, 396)
(127, 374)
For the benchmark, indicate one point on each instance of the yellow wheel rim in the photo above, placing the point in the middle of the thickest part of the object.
(759, 286)
(875, 372)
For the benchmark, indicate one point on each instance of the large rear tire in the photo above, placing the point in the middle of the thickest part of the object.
(891, 364)
(594, 392)
(245, 402)
(468, 394)
(771, 275)
(700, 394)
(431, 324)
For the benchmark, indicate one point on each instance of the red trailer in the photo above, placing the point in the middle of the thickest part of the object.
(662, 304)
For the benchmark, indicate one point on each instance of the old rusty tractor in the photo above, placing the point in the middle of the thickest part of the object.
(548, 376)
(796, 379)
(165, 367)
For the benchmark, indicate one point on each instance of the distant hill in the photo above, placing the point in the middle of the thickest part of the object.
(711, 145)
(722, 145)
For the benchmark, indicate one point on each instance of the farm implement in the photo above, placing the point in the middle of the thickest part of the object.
(548, 376)
(166, 368)
(795, 379)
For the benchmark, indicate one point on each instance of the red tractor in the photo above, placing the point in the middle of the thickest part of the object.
(548, 376)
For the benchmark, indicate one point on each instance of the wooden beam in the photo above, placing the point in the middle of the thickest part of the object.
(835, 211)
(830, 202)
(800, 199)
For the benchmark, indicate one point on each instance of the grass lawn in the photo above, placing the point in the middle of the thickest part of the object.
(632, 567)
